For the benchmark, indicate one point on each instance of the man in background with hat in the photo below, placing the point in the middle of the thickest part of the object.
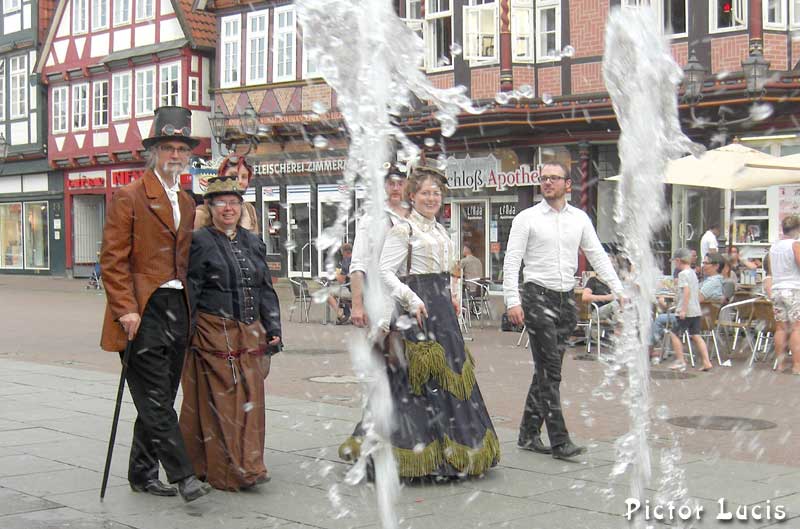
(144, 260)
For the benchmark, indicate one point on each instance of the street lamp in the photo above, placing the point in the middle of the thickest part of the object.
(218, 124)
(249, 122)
(756, 71)
(694, 75)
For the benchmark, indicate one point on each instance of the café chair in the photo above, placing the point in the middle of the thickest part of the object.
(302, 298)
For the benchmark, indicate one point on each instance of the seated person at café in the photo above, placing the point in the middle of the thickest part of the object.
(728, 281)
(738, 263)
(471, 268)
(597, 291)
(340, 294)
(713, 287)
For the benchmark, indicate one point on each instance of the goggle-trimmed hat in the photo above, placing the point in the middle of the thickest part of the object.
(222, 185)
(172, 124)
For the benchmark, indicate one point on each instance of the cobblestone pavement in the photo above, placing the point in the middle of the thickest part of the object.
(56, 400)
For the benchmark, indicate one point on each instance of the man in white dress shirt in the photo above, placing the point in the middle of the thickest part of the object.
(708, 243)
(546, 238)
(369, 239)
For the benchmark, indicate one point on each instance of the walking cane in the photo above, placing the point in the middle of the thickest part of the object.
(114, 422)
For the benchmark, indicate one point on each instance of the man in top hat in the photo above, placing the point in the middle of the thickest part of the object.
(144, 259)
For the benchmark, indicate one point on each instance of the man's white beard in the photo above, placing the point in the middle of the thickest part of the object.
(169, 170)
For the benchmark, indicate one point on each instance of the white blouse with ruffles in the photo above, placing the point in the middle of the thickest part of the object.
(432, 251)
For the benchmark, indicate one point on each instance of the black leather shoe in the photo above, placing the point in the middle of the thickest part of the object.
(192, 488)
(534, 444)
(155, 487)
(567, 450)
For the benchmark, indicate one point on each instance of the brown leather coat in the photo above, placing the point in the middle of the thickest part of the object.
(141, 251)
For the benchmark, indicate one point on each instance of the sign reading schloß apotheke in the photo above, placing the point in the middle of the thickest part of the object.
(479, 173)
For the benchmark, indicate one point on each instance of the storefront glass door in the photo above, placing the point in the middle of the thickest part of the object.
(298, 216)
(88, 215)
(329, 197)
(472, 224)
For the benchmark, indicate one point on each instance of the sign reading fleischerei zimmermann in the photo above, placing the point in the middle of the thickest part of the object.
(325, 165)
(479, 173)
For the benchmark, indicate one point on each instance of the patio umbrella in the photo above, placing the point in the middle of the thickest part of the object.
(735, 167)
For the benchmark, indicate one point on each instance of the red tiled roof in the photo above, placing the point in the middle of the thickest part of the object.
(200, 26)
(46, 10)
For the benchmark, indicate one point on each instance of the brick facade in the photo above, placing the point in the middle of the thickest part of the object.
(485, 82)
(442, 80)
(587, 78)
(550, 81)
(587, 26)
(776, 50)
(523, 75)
(314, 93)
(727, 53)
(680, 52)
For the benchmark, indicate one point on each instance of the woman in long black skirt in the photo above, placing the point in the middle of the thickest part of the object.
(442, 429)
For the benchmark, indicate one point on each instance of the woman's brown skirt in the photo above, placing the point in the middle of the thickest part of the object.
(222, 416)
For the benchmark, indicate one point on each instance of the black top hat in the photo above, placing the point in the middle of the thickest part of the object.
(222, 185)
(172, 124)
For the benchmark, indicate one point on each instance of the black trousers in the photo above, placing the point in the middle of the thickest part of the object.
(154, 374)
(550, 317)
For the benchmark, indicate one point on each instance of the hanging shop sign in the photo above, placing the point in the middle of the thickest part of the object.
(328, 165)
(479, 173)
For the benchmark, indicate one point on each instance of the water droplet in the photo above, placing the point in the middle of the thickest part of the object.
(502, 98)
(320, 296)
(760, 111)
(319, 107)
(456, 49)
(526, 91)
(430, 142)
(290, 245)
(248, 407)
(662, 412)
(277, 225)
(547, 99)
(320, 142)
(568, 51)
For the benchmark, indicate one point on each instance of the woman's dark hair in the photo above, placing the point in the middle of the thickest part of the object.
(236, 161)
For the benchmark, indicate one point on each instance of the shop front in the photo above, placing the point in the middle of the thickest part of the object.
(31, 223)
(86, 196)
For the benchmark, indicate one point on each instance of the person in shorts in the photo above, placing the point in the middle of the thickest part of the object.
(783, 289)
(687, 311)
(340, 295)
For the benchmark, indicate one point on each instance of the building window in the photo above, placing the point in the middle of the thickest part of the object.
(11, 235)
(2, 90)
(727, 15)
(37, 245)
(145, 91)
(231, 44)
(80, 106)
(794, 9)
(60, 107)
(122, 12)
(100, 104)
(672, 14)
(548, 29)
(99, 14)
(522, 30)
(284, 69)
(170, 88)
(10, 5)
(144, 9)
(194, 91)
(480, 30)
(79, 16)
(438, 34)
(775, 13)
(413, 17)
(18, 73)
(121, 96)
(310, 64)
(257, 47)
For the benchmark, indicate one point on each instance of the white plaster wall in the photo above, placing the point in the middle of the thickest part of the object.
(99, 45)
(122, 39)
(205, 83)
(34, 182)
(31, 61)
(166, 7)
(19, 133)
(60, 48)
(26, 16)
(12, 23)
(171, 30)
(10, 184)
(100, 139)
(144, 35)
(194, 63)
(32, 125)
(65, 25)
(200, 125)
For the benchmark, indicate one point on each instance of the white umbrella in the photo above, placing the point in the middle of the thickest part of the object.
(734, 167)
